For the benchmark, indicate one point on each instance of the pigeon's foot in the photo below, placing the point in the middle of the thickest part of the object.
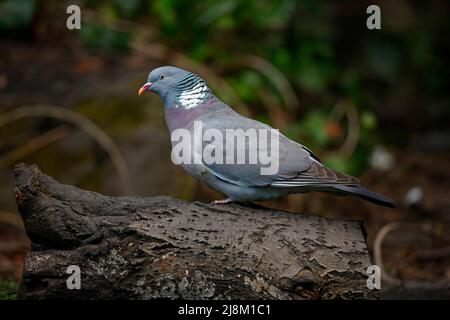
(223, 201)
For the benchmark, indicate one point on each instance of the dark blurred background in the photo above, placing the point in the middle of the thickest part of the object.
(372, 103)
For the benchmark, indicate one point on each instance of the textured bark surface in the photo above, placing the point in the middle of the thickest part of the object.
(160, 247)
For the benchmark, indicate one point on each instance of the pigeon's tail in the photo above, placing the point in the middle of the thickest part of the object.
(366, 195)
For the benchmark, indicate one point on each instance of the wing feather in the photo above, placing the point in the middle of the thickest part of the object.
(293, 157)
(317, 175)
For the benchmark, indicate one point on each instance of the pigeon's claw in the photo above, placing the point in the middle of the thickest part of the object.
(223, 201)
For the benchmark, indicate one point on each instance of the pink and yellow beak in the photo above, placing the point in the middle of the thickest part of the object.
(144, 88)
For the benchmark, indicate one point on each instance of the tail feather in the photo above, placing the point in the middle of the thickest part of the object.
(366, 195)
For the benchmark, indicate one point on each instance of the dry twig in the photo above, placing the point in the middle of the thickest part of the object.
(85, 125)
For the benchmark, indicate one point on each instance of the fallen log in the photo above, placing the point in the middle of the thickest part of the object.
(160, 247)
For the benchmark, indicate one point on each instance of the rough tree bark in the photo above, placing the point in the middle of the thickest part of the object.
(160, 247)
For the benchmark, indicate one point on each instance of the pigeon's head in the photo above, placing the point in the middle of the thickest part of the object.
(176, 85)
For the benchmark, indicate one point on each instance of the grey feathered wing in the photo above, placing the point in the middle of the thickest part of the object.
(298, 166)
(293, 157)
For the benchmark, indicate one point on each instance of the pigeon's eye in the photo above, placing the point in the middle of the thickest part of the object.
(162, 77)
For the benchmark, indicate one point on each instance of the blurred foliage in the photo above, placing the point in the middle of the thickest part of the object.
(322, 47)
(98, 37)
(16, 14)
(8, 289)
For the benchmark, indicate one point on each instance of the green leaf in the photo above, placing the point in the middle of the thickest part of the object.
(368, 120)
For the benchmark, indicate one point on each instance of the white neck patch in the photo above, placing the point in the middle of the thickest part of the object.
(192, 97)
